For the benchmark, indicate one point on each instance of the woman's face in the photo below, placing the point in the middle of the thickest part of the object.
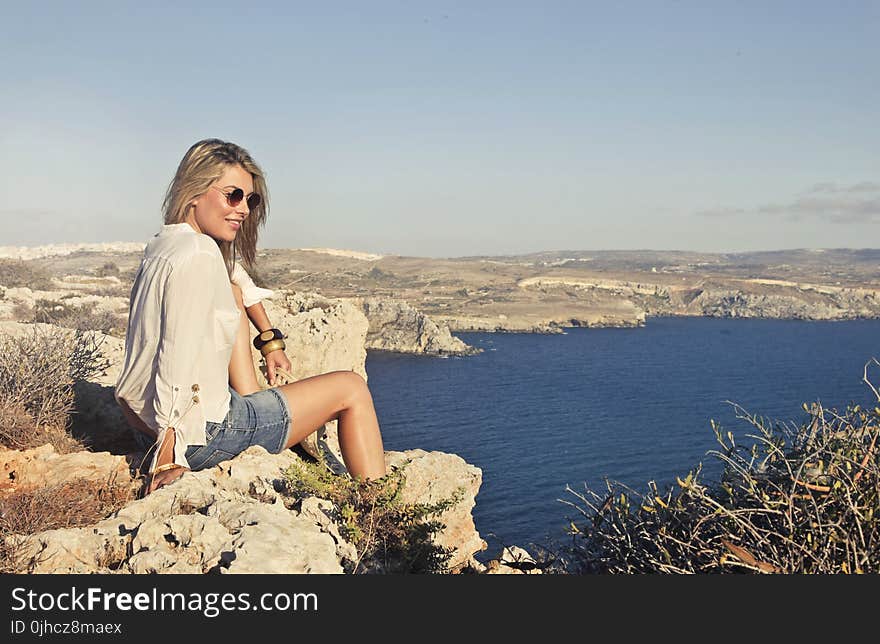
(212, 214)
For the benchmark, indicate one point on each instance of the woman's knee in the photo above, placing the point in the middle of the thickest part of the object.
(354, 385)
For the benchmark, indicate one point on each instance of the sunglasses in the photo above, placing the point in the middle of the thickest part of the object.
(234, 198)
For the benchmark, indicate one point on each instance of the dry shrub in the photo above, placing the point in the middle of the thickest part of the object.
(19, 430)
(79, 502)
(18, 273)
(23, 312)
(37, 373)
(107, 269)
(84, 317)
(123, 289)
(798, 500)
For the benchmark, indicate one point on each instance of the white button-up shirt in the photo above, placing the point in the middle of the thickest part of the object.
(251, 293)
(182, 324)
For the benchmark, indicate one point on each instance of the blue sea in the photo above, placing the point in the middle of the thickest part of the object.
(537, 413)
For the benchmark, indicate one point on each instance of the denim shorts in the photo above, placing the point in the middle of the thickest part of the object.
(261, 418)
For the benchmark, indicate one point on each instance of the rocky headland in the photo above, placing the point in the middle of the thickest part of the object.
(413, 303)
(548, 292)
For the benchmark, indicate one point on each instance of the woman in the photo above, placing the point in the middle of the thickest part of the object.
(188, 380)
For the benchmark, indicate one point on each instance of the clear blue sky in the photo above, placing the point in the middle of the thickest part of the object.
(444, 129)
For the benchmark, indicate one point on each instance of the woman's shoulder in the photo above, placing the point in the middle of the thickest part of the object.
(179, 243)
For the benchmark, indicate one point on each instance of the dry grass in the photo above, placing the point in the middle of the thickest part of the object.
(23, 312)
(37, 373)
(18, 273)
(75, 503)
(115, 290)
(83, 317)
(19, 430)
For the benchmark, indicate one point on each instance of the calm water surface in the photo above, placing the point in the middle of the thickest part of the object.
(538, 412)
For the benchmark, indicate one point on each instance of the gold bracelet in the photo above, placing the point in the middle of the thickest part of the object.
(267, 336)
(272, 345)
(165, 468)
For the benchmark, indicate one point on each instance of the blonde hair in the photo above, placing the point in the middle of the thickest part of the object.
(202, 165)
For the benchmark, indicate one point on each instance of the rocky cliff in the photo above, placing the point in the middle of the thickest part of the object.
(232, 518)
(757, 298)
(746, 298)
(397, 326)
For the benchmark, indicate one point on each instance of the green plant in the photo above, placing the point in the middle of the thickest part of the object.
(800, 499)
(389, 535)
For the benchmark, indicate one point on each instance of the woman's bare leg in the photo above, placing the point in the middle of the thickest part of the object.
(342, 396)
(338, 395)
(242, 376)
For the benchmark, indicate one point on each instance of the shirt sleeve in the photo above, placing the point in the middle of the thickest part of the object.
(187, 310)
(251, 293)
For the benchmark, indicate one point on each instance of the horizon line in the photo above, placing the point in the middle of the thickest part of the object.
(9, 251)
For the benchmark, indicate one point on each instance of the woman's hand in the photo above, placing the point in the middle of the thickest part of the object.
(275, 359)
(166, 472)
(161, 479)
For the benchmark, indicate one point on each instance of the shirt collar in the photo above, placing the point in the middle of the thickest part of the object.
(177, 228)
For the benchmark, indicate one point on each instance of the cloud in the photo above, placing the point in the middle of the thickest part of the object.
(839, 209)
(833, 188)
(831, 202)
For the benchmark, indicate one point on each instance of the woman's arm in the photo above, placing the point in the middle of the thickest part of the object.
(258, 317)
(252, 296)
(176, 403)
(275, 359)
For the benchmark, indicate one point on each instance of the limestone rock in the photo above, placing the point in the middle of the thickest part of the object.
(433, 476)
(397, 326)
(513, 561)
(229, 519)
(273, 539)
(42, 466)
(785, 304)
(69, 294)
(183, 543)
(322, 335)
(326, 515)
